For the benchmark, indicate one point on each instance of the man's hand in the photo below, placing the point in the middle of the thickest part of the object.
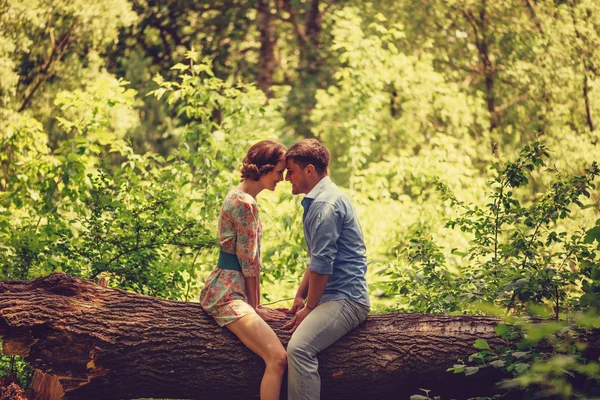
(295, 322)
(297, 305)
(269, 314)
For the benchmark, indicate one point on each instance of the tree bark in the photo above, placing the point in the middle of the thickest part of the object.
(90, 342)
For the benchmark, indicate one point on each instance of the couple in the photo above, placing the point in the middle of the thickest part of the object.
(332, 298)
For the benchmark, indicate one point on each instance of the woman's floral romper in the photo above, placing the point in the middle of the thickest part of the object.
(240, 232)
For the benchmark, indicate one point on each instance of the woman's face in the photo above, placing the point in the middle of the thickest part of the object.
(270, 180)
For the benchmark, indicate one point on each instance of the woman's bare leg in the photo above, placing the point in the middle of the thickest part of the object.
(254, 332)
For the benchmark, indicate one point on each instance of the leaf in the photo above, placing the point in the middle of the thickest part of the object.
(592, 234)
(418, 397)
(218, 135)
(158, 93)
(498, 363)
(65, 123)
(521, 282)
(33, 194)
(501, 329)
(589, 320)
(481, 344)
(105, 138)
(192, 54)
(459, 253)
(541, 331)
(471, 370)
(158, 79)
(521, 367)
(180, 67)
(458, 368)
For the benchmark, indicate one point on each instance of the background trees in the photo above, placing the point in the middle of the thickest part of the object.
(465, 131)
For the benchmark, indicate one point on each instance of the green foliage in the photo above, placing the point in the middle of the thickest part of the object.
(16, 368)
(95, 206)
(285, 256)
(518, 254)
(104, 170)
(384, 100)
(421, 397)
(590, 269)
(540, 358)
(424, 284)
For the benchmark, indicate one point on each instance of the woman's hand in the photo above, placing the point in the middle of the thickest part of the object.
(269, 314)
(297, 305)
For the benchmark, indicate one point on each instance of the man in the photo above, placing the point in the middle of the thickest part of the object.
(333, 297)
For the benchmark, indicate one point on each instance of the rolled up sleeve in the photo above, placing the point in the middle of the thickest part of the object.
(325, 225)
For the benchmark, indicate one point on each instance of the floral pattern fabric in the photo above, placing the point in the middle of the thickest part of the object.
(240, 233)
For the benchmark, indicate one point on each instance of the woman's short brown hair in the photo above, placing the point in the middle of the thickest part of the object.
(310, 151)
(262, 159)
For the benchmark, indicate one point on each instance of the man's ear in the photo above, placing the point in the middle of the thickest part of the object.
(310, 169)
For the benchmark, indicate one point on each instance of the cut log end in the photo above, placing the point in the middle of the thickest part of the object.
(46, 386)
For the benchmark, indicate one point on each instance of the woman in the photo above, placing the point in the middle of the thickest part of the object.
(232, 292)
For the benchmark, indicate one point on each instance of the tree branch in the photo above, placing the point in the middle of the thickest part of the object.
(300, 34)
(47, 69)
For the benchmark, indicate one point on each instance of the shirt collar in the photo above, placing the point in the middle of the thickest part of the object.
(319, 187)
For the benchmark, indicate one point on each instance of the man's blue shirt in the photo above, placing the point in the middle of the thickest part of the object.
(335, 243)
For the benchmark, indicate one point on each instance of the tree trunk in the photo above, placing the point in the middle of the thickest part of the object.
(89, 342)
(586, 96)
(268, 39)
(488, 68)
(312, 75)
(479, 24)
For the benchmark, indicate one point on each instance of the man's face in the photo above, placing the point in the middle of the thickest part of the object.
(297, 176)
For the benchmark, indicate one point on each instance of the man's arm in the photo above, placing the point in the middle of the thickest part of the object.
(302, 291)
(325, 229)
(301, 294)
(316, 286)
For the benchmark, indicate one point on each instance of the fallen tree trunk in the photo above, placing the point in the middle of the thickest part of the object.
(89, 342)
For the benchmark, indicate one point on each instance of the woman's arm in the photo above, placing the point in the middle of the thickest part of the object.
(252, 290)
(258, 291)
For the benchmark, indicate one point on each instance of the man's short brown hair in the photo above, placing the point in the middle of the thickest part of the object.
(310, 151)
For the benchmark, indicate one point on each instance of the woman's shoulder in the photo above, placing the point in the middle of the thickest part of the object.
(238, 199)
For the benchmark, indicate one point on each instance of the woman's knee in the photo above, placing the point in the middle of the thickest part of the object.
(278, 360)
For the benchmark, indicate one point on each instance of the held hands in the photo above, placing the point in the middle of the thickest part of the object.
(300, 312)
(297, 305)
(270, 314)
